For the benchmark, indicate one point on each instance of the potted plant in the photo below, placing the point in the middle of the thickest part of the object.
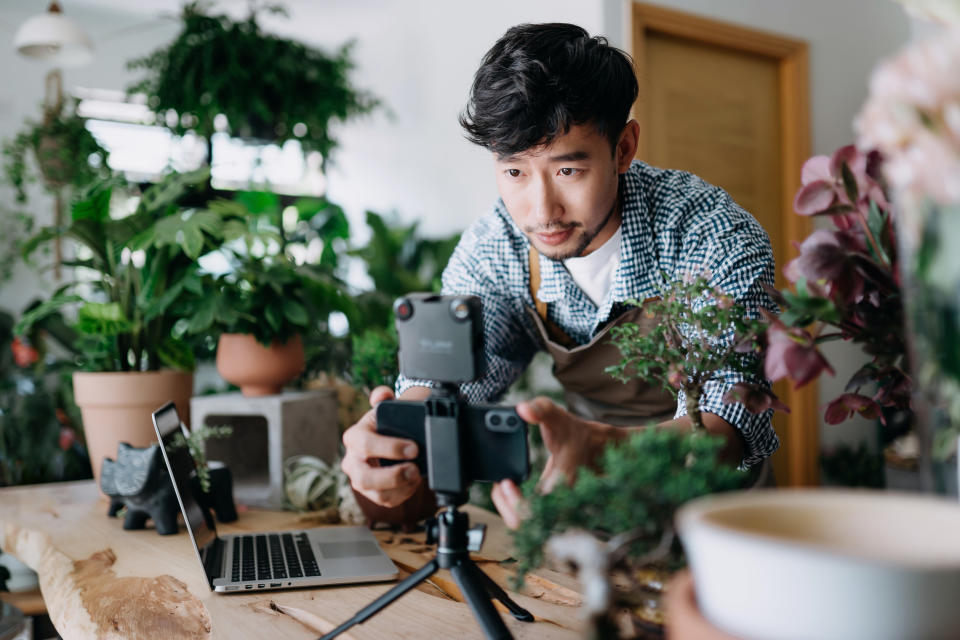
(132, 277)
(615, 523)
(66, 153)
(260, 310)
(212, 484)
(267, 87)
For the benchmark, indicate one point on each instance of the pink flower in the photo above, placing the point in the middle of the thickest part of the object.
(825, 191)
(792, 353)
(754, 398)
(829, 260)
(846, 405)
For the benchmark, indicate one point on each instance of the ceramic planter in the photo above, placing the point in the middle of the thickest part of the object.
(116, 408)
(259, 370)
(825, 564)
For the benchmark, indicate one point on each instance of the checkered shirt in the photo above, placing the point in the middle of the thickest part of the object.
(674, 225)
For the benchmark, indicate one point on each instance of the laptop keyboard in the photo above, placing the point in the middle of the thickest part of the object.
(271, 556)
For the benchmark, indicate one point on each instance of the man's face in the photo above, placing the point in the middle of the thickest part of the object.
(562, 195)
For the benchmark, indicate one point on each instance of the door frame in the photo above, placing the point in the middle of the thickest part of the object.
(802, 437)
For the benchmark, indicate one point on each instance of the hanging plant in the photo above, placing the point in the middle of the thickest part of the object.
(66, 153)
(268, 87)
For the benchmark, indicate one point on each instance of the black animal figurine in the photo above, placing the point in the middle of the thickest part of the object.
(138, 480)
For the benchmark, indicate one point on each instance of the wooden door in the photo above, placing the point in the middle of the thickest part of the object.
(730, 105)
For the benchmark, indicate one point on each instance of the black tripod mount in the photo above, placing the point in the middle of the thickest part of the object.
(450, 530)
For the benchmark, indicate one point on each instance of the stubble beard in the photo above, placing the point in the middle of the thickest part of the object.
(582, 241)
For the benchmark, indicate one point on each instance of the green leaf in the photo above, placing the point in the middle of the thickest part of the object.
(103, 319)
(203, 317)
(176, 354)
(295, 312)
(96, 207)
(274, 319)
(43, 310)
(849, 182)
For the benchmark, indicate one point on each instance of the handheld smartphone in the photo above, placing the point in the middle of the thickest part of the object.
(494, 444)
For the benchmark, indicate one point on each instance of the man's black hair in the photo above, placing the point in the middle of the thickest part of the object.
(538, 80)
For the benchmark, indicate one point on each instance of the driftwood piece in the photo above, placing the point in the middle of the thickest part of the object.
(86, 598)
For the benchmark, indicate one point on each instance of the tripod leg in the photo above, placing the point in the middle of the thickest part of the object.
(496, 592)
(398, 590)
(475, 593)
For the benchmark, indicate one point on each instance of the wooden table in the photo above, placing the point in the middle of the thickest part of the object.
(99, 581)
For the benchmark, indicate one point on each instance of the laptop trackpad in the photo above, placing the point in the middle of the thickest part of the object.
(349, 549)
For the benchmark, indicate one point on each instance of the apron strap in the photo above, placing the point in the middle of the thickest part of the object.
(557, 334)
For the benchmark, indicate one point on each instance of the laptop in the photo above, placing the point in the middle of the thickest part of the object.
(270, 560)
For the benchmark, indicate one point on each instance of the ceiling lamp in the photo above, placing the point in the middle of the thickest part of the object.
(54, 38)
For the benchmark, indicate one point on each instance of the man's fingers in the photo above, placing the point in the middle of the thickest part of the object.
(363, 441)
(370, 444)
(508, 501)
(380, 394)
(537, 410)
(365, 478)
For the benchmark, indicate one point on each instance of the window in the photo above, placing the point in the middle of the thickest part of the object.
(142, 150)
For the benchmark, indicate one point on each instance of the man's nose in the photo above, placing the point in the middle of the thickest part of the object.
(545, 203)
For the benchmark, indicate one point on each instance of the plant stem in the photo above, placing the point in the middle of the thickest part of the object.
(692, 401)
(873, 241)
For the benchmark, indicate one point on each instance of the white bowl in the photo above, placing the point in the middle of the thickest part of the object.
(790, 564)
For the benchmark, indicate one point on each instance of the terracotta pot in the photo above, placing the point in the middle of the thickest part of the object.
(258, 370)
(116, 408)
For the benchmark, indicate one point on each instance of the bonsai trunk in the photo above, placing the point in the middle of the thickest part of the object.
(692, 398)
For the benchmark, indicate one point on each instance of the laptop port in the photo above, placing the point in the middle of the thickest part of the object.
(249, 586)
(276, 584)
(261, 586)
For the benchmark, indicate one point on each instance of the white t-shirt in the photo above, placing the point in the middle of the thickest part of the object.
(594, 272)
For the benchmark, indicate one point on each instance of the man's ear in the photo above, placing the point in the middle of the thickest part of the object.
(627, 145)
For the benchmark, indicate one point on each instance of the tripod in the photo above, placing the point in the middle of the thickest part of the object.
(450, 529)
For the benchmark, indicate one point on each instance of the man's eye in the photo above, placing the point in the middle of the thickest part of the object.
(567, 171)
(513, 173)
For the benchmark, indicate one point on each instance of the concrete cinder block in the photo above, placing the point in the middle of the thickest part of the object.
(266, 431)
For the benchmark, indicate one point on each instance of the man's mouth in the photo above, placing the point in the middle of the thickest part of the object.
(554, 238)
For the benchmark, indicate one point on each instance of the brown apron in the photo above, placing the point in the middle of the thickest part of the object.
(591, 393)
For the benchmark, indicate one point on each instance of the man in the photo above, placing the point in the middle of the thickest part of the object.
(580, 228)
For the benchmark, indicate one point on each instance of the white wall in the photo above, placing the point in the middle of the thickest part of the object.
(419, 57)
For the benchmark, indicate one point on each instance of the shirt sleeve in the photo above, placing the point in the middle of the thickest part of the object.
(508, 344)
(732, 250)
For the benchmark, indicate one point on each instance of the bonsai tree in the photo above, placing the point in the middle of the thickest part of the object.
(267, 87)
(134, 274)
(617, 520)
(614, 522)
(703, 332)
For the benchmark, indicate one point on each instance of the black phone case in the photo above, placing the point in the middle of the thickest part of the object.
(489, 455)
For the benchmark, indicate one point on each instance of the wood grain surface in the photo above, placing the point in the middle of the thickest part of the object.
(99, 581)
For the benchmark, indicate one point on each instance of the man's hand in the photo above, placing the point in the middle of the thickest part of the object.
(385, 486)
(572, 442)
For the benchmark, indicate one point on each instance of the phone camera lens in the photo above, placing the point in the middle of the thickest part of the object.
(495, 420)
(460, 309)
(403, 309)
(511, 421)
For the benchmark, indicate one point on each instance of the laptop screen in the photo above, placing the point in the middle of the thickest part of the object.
(180, 464)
